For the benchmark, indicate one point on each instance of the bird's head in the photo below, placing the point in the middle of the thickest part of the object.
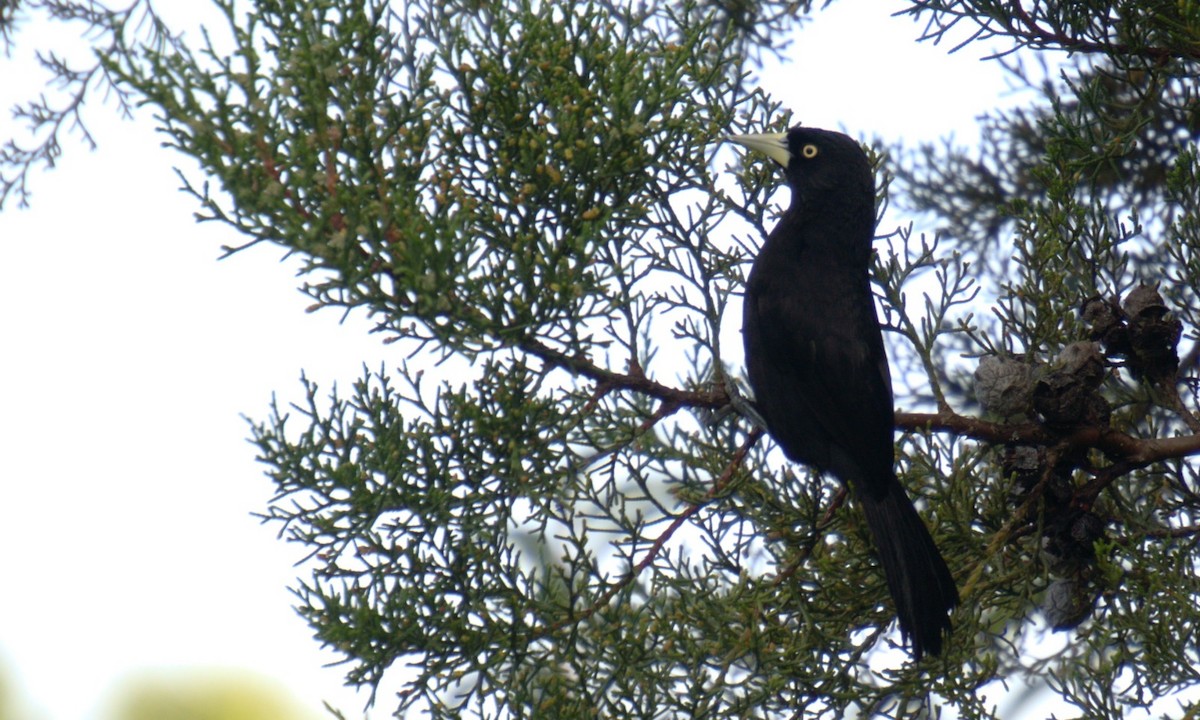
(815, 160)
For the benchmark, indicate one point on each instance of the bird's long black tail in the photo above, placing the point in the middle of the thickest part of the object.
(917, 576)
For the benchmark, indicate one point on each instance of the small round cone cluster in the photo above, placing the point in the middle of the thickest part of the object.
(1138, 335)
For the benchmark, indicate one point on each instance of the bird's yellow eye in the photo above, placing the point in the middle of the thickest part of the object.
(809, 151)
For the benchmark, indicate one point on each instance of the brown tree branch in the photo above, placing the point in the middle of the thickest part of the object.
(1035, 35)
(975, 428)
(1126, 452)
(1185, 531)
(637, 381)
(1117, 445)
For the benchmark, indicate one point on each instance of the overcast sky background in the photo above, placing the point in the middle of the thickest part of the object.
(129, 354)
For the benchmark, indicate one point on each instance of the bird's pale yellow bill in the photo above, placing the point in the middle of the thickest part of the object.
(775, 145)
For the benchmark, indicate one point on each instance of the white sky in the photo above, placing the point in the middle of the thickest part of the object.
(127, 353)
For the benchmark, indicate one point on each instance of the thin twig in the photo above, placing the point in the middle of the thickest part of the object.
(656, 547)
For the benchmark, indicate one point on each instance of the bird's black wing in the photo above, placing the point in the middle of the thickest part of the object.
(816, 360)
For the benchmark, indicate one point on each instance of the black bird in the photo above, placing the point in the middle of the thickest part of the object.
(816, 361)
